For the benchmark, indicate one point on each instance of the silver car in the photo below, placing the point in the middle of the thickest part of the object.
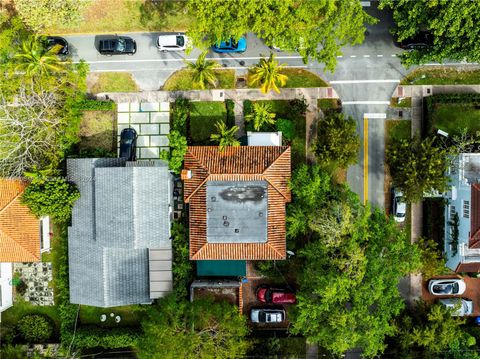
(449, 286)
(399, 207)
(459, 307)
(172, 42)
(265, 315)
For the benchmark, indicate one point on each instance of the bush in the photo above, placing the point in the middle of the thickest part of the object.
(178, 148)
(299, 106)
(338, 142)
(247, 107)
(181, 113)
(50, 197)
(35, 328)
(182, 266)
(94, 105)
(97, 152)
(287, 127)
(112, 338)
(230, 106)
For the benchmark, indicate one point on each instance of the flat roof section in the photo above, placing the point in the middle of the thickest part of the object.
(237, 211)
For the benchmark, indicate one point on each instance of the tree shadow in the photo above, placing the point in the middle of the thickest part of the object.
(154, 14)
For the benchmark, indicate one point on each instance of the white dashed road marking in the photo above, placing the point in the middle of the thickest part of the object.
(363, 81)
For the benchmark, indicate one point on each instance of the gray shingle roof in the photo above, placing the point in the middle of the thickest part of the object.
(123, 212)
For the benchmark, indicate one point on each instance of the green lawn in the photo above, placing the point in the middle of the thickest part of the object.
(396, 130)
(203, 116)
(118, 16)
(302, 78)
(129, 316)
(98, 131)
(403, 102)
(453, 117)
(113, 82)
(328, 103)
(282, 109)
(182, 80)
(20, 308)
(441, 76)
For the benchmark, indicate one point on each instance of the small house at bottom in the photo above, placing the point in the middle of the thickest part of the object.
(119, 245)
(236, 200)
(462, 214)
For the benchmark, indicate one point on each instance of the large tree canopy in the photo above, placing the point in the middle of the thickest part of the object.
(353, 262)
(454, 25)
(202, 329)
(316, 29)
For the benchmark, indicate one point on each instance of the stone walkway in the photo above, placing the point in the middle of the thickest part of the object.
(37, 277)
(151, 120)
(311, 95)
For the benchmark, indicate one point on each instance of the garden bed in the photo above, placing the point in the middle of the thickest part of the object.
(297, 78)
(182, 80)
(98, 131)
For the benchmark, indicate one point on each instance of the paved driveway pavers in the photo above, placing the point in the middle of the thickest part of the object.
(151, 120)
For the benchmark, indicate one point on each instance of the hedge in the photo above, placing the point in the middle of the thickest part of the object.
(94, 105)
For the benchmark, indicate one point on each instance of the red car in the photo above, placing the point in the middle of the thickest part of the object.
(275, 296)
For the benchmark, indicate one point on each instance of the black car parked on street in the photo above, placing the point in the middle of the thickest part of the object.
(117, 45)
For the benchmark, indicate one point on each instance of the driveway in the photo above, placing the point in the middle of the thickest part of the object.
(151, 120)
(472, 292)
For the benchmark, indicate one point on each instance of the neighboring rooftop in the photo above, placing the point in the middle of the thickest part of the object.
(237, 201)
(264, 138)
(119, 242)
(470, 167)
(19, 228)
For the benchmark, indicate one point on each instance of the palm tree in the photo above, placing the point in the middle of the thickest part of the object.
(261, 115)
(268, 74)
(35, 59)
(224, 136)
(203, 71)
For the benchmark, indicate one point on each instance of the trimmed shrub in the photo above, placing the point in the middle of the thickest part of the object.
(182, 267)
(299, 106)
(287, 127)
(35, 328)
(230, 107)
(181, 112)
(178, 148)
(94, 105)
(112, 338)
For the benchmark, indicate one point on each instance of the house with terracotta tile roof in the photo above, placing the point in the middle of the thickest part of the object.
(236, 201)
(462, 214)
(20, 235)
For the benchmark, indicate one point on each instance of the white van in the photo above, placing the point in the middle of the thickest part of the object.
(172, 42)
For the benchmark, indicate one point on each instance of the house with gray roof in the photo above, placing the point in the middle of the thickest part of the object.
(119, 245)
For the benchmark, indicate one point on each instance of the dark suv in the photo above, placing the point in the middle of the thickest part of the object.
(118, 45)
(128, 144)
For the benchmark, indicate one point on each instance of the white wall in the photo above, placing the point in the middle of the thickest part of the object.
(6, 287)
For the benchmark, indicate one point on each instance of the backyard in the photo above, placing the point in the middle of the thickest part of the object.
(129, 316)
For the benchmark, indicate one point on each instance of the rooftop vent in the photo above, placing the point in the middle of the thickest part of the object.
(260, 214)
(209, 209)
(224, 218)
(186, 174)
(213, 198)
(226, 223)
(237, 230)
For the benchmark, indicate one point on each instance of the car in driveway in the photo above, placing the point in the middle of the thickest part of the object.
(128, 144)
(230, 45)
(422, 40)
(267, 315)
(52, 41)
(117, 45)
(450, 286)
(275, 296)
(399, 207)
(459, 307)
(168, 42)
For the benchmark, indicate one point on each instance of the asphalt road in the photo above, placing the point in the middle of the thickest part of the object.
(365, 78)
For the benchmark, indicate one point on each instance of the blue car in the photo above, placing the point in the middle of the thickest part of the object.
(231, 46)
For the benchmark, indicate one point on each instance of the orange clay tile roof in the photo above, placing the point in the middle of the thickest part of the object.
(19, 228)
(245, 163)
(474, 240)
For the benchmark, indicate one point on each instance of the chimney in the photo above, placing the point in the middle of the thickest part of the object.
(186, 174)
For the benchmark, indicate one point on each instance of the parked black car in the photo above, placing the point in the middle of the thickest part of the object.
(128, 144)
(117, 45)
(420, 41)
(51, 41)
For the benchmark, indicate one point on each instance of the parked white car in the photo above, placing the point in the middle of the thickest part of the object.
(459, 306)
(266, 315)
(399, 207)
(449, 286)
(172, 42)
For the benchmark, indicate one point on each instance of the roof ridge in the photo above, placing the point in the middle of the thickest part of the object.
(197, 188)
(10, 203)
(18, 245)
(271, 165)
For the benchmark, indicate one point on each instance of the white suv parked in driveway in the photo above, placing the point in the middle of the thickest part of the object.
(172, 42)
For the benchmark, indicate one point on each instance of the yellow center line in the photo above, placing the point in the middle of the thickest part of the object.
(365, 160)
